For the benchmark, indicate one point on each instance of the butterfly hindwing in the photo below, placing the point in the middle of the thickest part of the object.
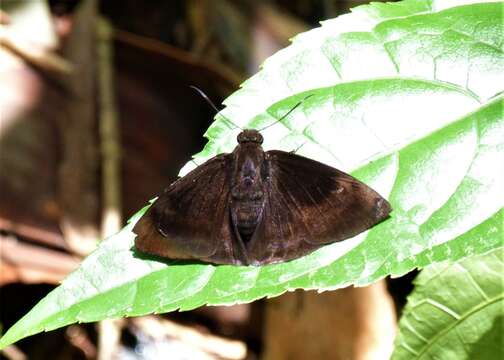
(309, 204)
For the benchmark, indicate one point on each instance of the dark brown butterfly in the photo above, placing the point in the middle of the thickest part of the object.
(255, 207)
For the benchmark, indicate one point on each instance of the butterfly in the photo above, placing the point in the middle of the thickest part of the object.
(252, 207)
(255, 207)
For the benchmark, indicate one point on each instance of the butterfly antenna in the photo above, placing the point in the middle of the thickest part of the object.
(210, 102)
(297, 149)
(288, 112)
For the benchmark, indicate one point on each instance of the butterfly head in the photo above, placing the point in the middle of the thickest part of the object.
(249, 135)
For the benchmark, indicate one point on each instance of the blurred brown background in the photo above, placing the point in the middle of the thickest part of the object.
(97, 117)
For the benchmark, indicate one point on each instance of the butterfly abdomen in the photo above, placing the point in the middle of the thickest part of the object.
(247, 191)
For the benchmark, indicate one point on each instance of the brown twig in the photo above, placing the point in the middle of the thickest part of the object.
(34, 233)
(35, 55)
(78, 337)
(109, 330)
(109, 134)
(27, 263)
(78, 183)
(12, 352)
(223, 74)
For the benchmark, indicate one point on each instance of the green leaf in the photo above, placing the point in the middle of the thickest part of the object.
(455, 312)
(426, 131)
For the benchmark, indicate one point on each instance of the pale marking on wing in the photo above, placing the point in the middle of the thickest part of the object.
(344, 219)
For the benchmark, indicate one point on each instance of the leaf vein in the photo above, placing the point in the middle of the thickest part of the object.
(464, 316)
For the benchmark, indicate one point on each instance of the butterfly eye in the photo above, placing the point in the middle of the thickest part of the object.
(249, 136)
(258, 139)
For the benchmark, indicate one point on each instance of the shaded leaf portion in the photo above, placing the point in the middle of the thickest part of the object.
(455, 311)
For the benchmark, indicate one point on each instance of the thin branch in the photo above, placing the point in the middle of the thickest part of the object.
(109, 334)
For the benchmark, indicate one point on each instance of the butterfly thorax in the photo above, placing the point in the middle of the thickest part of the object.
(247, 185)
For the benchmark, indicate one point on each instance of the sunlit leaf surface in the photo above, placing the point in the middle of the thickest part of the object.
(405, 96)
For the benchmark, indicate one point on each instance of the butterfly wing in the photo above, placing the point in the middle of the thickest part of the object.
(310, 204)
(190, 220)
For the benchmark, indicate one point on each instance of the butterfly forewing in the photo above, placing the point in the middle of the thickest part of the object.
(190, 220)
